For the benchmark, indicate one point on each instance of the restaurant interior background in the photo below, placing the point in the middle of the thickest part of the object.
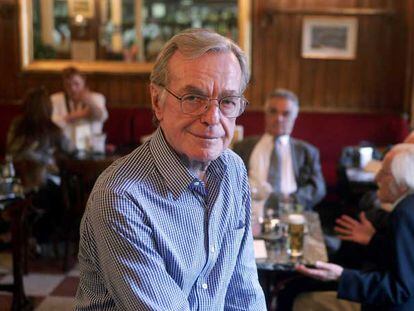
(360, 88)
(378, 79)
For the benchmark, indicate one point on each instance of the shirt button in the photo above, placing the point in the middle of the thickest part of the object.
(213, 249)
(196, 183)
(204, 286)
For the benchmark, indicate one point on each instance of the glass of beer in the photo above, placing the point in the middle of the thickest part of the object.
(296, 230)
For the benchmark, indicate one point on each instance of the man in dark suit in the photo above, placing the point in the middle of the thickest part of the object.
(390, 286)
(288, 167)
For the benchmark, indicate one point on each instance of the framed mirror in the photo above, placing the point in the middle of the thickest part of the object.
(122, 36)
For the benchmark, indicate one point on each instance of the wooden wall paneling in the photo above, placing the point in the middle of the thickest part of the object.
(319, 84)
(280, 49)
(125, 96)
(401, 41)
(144, 93)
(365, 67)
(8, 47)
(294, 33)
(408, 13)
(115, 90)
(390, 67)
(374, 81)
(258, 25)
(126, 92)
(306, 78)
(270, 53)
(330, 89)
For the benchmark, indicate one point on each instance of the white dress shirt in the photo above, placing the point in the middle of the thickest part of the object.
(287, 175)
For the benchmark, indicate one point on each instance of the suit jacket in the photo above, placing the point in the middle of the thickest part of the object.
(391, 285)
(306, 165)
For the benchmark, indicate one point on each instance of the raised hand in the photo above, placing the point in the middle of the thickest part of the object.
(350, 229)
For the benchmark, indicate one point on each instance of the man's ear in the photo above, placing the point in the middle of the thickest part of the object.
(156, 102)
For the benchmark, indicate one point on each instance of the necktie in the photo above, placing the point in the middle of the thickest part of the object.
(275, 169)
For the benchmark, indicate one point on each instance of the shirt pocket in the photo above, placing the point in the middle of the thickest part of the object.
(235, 235)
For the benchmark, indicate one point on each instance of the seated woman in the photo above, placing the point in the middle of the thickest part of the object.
(34, 141)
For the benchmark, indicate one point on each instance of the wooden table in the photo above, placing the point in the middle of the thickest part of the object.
(278, 264)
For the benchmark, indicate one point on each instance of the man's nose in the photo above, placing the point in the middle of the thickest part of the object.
(280, 117)
(212, 114)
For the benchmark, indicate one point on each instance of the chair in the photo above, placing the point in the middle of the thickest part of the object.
(17, 209)
(78, 177)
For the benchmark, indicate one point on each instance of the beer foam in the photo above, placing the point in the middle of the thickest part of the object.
(296, 219)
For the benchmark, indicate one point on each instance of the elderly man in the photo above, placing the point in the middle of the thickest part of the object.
(391, 285)
(289, 167)
(168, 226)
(78, 111)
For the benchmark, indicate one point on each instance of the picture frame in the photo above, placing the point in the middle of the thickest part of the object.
(329, 37)
(84, 8)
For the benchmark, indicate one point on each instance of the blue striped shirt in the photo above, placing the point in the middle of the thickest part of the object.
(154, 237)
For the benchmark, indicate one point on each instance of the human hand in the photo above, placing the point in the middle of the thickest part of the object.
(323, 271)
(350, 229)
(260, 190)
(83, 112)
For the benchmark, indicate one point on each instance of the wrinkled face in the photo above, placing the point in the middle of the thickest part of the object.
(199, 138)
(388, 189)
(74, 86)
(280, 117)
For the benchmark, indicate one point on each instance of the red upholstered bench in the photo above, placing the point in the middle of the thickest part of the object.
(118, 127)
(331, 132)
(126, 125)
(142, 124)
(124, 128)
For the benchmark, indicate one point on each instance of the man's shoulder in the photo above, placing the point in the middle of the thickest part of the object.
(127, 171)
(231, 157)
(405, 208)
(304, 144)
(97, 96)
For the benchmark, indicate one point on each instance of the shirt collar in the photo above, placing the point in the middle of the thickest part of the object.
(283, 139)
(401, 198)
(177, 176)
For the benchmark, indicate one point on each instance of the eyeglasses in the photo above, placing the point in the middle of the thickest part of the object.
(195, 105)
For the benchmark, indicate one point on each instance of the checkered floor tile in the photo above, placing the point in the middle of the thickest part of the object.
(46, 285)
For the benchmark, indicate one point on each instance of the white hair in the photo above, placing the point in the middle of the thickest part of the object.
(402, 165)
(193, 43)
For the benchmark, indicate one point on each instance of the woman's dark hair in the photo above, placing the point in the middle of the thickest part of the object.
(36, 122)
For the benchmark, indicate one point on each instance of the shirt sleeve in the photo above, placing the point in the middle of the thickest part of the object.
(133, 272)
(393, 285)
(244, 291)
(98, 108)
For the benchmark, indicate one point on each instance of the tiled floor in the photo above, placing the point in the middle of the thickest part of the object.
(46, 285)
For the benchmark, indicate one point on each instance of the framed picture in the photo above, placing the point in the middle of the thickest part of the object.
(329, 37)
(85, 8)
